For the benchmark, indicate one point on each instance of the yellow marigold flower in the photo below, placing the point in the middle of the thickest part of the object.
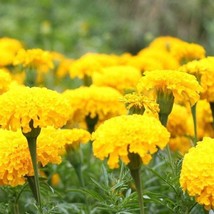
(8, 50)
(138, 103)
(181, 50)
(204, 72)
(197, 176)
(55, 179)
(121, 135)
(119, 77)
(15, 160)
(148, 57)
(34, 58)
(45, 107)
(63, 68)
(5, 81)
(89, 63)
(94, 101)
(183, 86)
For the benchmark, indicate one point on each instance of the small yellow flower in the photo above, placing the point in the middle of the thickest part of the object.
(121, 135)
(15, 160)
(119, 77)
(138, 103)
(23, 104)
(197, 176)
(183, 86)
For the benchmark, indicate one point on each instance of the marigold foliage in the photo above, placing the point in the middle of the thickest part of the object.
(94, 100)
(197, 176)
(23, 104)
(15, 160)
(185, 87)
(119, 77)
(118, 136)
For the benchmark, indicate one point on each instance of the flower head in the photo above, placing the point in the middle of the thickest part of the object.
(94, 101)
(43, 106)
(121, 135)
(15, 160)
(34, 58)
(197, 176)
(5, 81)
(183, 86)
(181, 50)
(119, 77)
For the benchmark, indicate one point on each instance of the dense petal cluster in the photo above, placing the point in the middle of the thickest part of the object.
(8, 50)
(34, 58)
(94, 101)
(121, 135)
(204, 72)
(119, 77)
(23, 104)
(197, 176)
(184, 86)
(181, 50)
(15, 160)
(91, 62)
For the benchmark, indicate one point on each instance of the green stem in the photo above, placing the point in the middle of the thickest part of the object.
(33, 154)
(16, 208)
(193, 110)
(135, 170)
(136, 175)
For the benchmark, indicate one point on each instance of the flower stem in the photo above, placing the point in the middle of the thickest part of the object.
(35, 187)
(193, 110)
(136, 175)
(135, 170)
(16, 208)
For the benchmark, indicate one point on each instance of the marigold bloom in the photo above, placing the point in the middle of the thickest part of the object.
(15, 160)
(8, 50)
(45, 107)
(162, 58)
(183, 86)
(119, 77)
(197, 176)
(89, 63)
(181, 50)
(34, 58)
(204, 72)
(94, 101)
(121, 135)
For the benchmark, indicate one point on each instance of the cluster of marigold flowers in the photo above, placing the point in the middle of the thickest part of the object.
(115, 105)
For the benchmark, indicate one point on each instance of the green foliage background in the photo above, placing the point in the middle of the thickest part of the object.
(75, 27)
